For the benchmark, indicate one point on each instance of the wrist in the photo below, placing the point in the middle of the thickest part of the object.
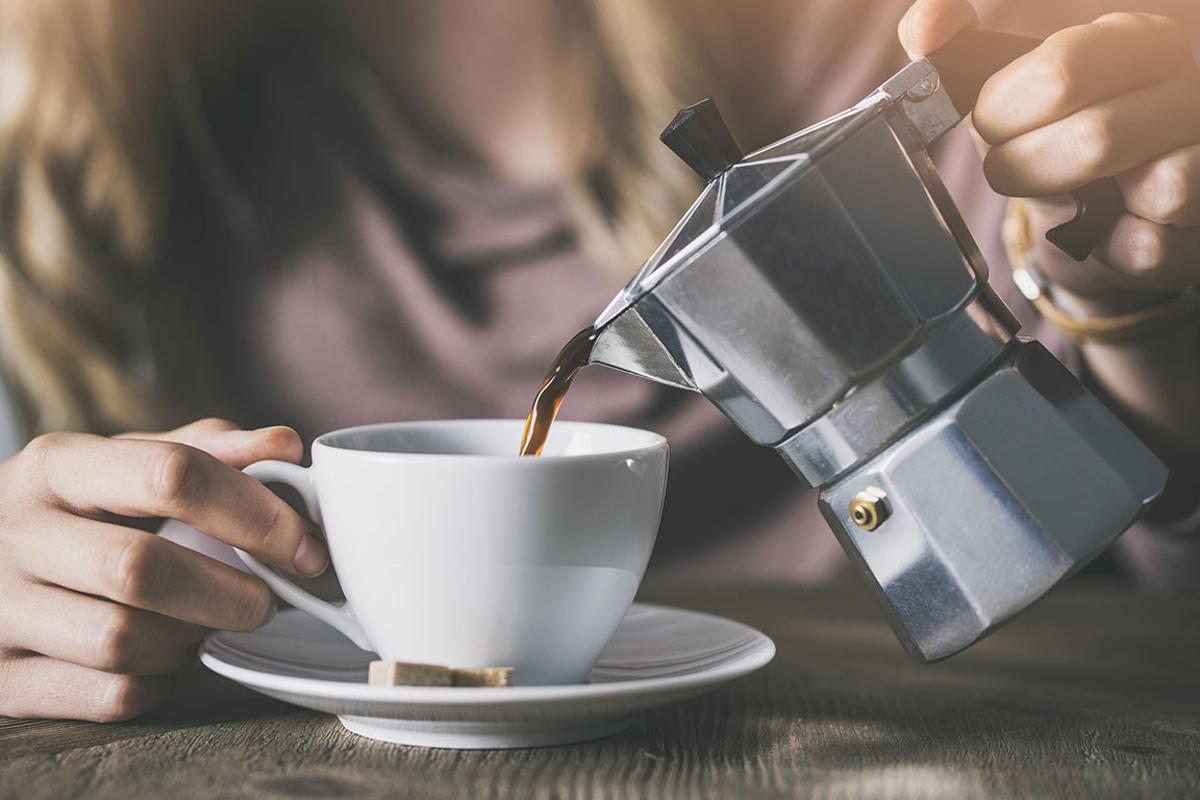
(1108, 315)
(1090, 305)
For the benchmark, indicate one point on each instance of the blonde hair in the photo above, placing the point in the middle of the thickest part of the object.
(84, 114)
(627, 189)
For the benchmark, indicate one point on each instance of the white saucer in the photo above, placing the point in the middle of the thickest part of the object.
(658, 655)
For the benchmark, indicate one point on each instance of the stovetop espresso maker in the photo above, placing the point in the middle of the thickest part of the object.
(825, 294)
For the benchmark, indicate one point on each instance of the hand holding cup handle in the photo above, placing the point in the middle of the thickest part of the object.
(336, 616)
(102, 613)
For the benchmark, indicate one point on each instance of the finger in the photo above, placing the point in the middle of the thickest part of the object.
(148, 572)
(1079, 67)
(189, 434)
(1137, 256)
(929, 24)
(98, 634)
(1159, 256)
(45, 688)
(1166, 191)
(1106, 139)
(230, 444)
(196, 427)
(137, 478)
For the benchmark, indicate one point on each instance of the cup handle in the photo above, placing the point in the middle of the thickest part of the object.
(338, 617)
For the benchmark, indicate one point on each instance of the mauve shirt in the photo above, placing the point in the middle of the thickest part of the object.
(379, 276)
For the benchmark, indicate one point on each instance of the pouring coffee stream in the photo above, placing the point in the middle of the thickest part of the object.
(573, 356)
(963, 469)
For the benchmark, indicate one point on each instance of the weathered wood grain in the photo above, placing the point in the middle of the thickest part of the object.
(1093, 694)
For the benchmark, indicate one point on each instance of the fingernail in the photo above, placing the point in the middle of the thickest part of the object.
(312, 557)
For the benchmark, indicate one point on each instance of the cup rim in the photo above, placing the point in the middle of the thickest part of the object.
(655, 442)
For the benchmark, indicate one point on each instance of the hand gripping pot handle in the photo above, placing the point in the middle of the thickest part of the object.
(964, 65)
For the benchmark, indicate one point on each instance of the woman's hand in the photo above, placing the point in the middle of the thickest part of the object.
(1119, 97)
(99, 613)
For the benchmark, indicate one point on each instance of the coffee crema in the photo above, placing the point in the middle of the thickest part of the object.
(570, 359)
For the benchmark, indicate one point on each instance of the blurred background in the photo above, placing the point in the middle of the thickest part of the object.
(321, 214)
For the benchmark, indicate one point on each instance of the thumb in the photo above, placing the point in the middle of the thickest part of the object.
(929, 24)
(232, 445)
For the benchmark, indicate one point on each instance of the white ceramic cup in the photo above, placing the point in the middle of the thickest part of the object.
(453, 550)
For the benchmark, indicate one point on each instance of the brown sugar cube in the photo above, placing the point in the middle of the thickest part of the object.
(484, 676)
(399, 673)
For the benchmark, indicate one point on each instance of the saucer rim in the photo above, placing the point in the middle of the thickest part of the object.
(444, 695)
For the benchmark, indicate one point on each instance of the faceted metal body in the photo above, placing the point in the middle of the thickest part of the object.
(825, 293)
(992, 501)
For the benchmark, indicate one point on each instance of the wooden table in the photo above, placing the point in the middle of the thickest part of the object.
(1094, 693)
